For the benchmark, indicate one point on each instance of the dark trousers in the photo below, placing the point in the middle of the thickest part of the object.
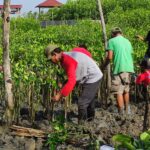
(86, 102)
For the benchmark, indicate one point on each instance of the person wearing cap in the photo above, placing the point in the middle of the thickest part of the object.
(120, 50)
(83, 49)
(82, 69)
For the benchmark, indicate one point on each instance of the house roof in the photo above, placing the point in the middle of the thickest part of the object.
(50, 3)
(12, 6)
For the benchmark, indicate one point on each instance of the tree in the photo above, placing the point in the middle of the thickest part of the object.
(75, 9)
(105, 42)
(6, 63)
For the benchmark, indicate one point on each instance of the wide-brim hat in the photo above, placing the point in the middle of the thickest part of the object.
(49, 49)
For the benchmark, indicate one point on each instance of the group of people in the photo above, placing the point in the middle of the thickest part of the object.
(81, 68)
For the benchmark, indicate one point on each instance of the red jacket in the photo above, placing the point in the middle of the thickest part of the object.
(69, 64)
(82, 50)
(143, 78)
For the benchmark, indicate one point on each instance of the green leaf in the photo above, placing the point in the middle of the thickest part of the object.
(124, 141)
(121, 138)
(145, 136)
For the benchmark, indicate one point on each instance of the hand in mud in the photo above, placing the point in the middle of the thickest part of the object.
(57, 97)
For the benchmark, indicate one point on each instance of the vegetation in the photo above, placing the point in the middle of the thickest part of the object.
(74, 9)
(59, 135)
(28, 40)
(85, 9)
(131, 143)
(31, 71)
(66, 132)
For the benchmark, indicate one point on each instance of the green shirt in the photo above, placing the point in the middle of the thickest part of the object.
(122, 54)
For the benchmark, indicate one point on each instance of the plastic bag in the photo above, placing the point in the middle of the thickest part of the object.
(105, 147)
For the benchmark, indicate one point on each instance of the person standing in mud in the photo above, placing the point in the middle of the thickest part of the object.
(120, 50)
(82, 69)
(146, 39)
(144, 79)
(144, 76)
(83, 49)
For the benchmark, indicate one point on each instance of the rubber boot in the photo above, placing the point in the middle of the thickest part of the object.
(82, 116)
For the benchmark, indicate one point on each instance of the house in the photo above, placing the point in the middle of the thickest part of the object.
(14, 9)
(49, 4)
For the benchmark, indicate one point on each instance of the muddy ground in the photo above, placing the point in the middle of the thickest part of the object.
(106, 124)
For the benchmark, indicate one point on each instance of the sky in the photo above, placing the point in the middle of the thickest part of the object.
(28, 5)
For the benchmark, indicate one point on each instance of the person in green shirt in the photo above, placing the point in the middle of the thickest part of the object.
(120, 51)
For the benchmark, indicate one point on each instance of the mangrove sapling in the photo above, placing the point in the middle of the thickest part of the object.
(17, 99)
(94, 144)
(59, 135)
(30, 102)
(130, 143)
(66, 107)
(70, 133)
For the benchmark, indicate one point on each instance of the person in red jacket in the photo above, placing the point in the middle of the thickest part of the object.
(80, 68)
(144, 77)
(83, 49)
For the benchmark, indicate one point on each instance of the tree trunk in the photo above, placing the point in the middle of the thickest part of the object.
(6, 63)
(105, 43)
(102, 22)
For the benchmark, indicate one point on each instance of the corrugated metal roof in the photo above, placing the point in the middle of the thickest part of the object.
(50, 3)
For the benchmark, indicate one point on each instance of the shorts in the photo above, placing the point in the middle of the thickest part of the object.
(120, 83)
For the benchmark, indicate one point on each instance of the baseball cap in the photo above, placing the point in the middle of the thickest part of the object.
(116, 29)
(49, 49)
